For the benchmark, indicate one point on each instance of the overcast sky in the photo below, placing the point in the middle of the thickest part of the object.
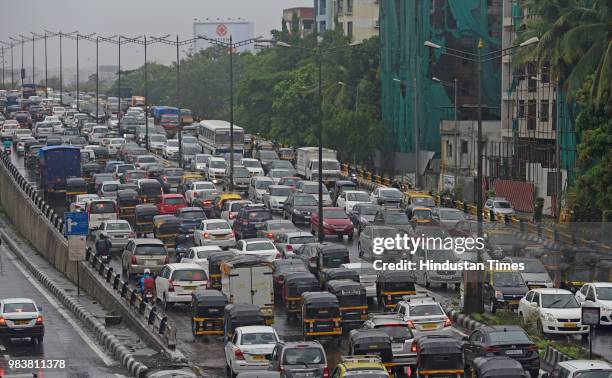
(125, 17)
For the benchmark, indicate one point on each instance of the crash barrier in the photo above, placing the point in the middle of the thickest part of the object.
(371, 181)
(463, 320)
(155, 320)
(552, 357)
(104, 337)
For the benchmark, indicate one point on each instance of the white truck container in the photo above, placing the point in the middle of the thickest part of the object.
(248, 279)
(307, 164)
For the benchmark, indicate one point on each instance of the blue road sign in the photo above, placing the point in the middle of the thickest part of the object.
(76, 223)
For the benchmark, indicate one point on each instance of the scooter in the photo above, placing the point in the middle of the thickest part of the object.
(148, 295)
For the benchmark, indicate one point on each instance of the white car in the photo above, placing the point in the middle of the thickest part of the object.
(97, 133)
(214, 232)
(112, 122)
(276, 196)
(199, 162)
(21, 318)
(194, 186)
(215, 171)
(253, 166)
(157, 142)
(114, 144)
(289, 242)
(171, 149)
(350, 198)
(81, 201)
(8, 129)
(43, 129)
(59, 111)
(258, 247)
(199, 255)
(277, 174)
(423, 314)
(109, 189)
(599, 294)
(231, 208)
(499, 206)
(581, 369)
(175, 283)
(249, 349)
(386, 196)
(552, 311)
(258, 188)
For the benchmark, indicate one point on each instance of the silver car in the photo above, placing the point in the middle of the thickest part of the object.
(118, 232)
(400, 333)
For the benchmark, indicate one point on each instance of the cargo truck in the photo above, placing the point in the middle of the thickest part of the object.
(307, 164)
(248, 279)
(58, 163)
(137, 101)
(166, 117)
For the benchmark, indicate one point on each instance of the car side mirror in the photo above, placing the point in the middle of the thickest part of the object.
(40, 308)
(533, 304)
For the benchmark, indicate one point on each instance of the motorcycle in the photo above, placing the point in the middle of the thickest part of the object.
(353, 177)
(148, 295)
(183, 243)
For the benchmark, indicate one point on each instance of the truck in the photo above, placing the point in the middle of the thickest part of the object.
(138, 101)
(248, 279)
(167, 117)
(57, 164)
(307, 164)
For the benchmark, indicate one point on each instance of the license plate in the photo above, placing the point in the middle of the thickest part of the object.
(513, 302)
(21, 322)
(430, 326)
(259, 357)
(151, 262)
(570, 325)
(209, 324)
(299, 375)
(188, 287)
(514, 352)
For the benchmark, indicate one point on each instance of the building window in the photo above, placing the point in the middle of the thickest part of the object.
(531, 76)
(322, 26)
(339, 5)
(349, 30)
(322, 7)
(349, 6)
(554, 115)
(449, 149)
(545, 72)
(464, 146)
(521, 109)
(531, 114)
(544, 111)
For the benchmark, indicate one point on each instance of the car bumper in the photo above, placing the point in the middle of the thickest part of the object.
(139, 269)
(333, 231)
(118, 244)
(444, 279)
(276, 206)
(37, 330)
(301, 218)
(560, 328)
(183, 298)
(221, 243)
(240, 366)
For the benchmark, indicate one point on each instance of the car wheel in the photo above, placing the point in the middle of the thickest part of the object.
(40, 339)
(540, 329)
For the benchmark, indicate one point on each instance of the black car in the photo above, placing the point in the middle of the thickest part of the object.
(502, 340)
(392, 217)
(190, 218)
(298, 207)
(503, 289)
(362, 215)
(170, 179)
(241, 180)
(249, 220)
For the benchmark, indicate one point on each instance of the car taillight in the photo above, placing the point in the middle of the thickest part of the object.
(326, 372)
(278, 255)
(165, 178)
(205, 235)
(447, 322)
(413, 347)
(492, 349)
(532, 347)
(233, 233)
(2, 321)
(288, 247)
(207, 202)
(134, 260)
(39, 319)
(410, 324)
(231, 216)
(167, 260)
(270, 235)
(238, 354)
(170, 286)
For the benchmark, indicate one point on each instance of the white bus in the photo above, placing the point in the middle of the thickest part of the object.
(214, 137)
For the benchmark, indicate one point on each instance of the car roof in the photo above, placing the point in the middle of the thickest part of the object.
(387, 320)
(256, 329)
(147, 241)
(17, 300)
(586, 364)
(548, 290)
(279, 186)
(498, 328)
(601, 284)
(181, 266)
(256, 240)
(297, 233)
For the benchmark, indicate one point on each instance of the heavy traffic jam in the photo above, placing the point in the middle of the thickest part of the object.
(229, 233)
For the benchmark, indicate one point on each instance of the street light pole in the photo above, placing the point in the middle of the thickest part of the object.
(97, 78)
(455, 85)
(33, 62)
(12, 69)
(77, 75)
(46, 72)
(416, 135)
(146, 95)
(479, 142)
(178, 104)
(61, 79)
(320, 231)
(119, 88)
(3, 85)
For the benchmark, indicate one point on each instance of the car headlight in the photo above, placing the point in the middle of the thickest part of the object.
(499, 294)
(325, 224)
(548, 317)
(297, 212)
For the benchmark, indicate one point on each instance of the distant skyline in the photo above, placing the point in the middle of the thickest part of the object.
(128, 18)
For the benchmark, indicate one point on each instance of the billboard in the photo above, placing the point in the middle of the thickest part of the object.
(239, 30)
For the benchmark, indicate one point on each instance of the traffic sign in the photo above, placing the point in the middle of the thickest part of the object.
(77, 246)
(76, 223)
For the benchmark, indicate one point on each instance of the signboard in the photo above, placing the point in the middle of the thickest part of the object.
(240, 30)
(448, 182)
(77, 246)
(76, 223)
(590, 315)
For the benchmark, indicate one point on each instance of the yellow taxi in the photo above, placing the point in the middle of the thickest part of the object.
(362, 366)
(222, 198)
(189, 176)
(420, 215)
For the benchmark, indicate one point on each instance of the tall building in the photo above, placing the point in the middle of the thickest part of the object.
(358, 18)
(324, 15)
(304, 16)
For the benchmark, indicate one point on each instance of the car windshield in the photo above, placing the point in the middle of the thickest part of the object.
(426, 310)
(367, 210)
(304, 356)
(146, 159)
(157, 138)
(302, 240)
(190, 140)
(217, 226)
(18, 307)
(268, 155)
(206, 253)
(312, 189)
(335, 260)
(334, 214)
(258, 338)
(559, 301)
(281, 226)
(502, 205)
(357, 197)
(534, 266)
(218, 164)
(173, 172)
(604, 293)
(451, 215)
(102, 208)
(510, 279)
(398, 332)
(509, 337)
(136, 175)
(259, 246)
(150, 249)
(263, 184)
(241, 172)
(329, 165)
(121, 226)
(201, 158)
(280, 192)
(279, 173)
(174, 201)
(391, 193)
(260, 215)
(251, 163)
(110, 187)
(172, 143)
(195, 214)
(189, 275)
(593, 374)
(397, 218)
(304, 201)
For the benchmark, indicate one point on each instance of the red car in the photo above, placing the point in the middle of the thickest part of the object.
(170, 203)
(335, 222)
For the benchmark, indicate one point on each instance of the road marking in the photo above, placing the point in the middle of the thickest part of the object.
(107, 361)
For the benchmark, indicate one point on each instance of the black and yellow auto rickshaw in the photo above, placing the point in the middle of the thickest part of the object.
(327, 275)
(87, 172)
(143, 219)
(497, 367)
(214, 267)
(438, 356)
(286, 153)
(391, 286)
(240, 315)
(74, 187)
(372, 342)
(127, 200)
(320, 315)
(165, 228)
(294, 285)
(149, 191)
(207, 307)
(353, 302)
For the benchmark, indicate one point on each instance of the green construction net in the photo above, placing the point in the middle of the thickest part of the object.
(404, 27)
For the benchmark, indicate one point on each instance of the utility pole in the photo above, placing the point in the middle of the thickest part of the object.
(146, 96)
(455, 85)
(119, 88)
(416, 134)
(320, 230)
(3, 85)
(46, 72)
(61, 83)
(178, 105)
(12, 69)
(231, 75)
(78, 93)
(33, 62)
(97, 78)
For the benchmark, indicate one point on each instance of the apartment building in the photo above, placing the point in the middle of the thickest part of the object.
(304, 16)
(358, 18)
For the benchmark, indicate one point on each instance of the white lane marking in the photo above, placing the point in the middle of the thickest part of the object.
(107, 361)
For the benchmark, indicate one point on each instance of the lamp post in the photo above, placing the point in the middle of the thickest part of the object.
(473, 289)
(355, 110)
(3, 85)
(455, 86)
(77, 38)
(44, 37)
(231, 46)
(319, 52)
(415, 129)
